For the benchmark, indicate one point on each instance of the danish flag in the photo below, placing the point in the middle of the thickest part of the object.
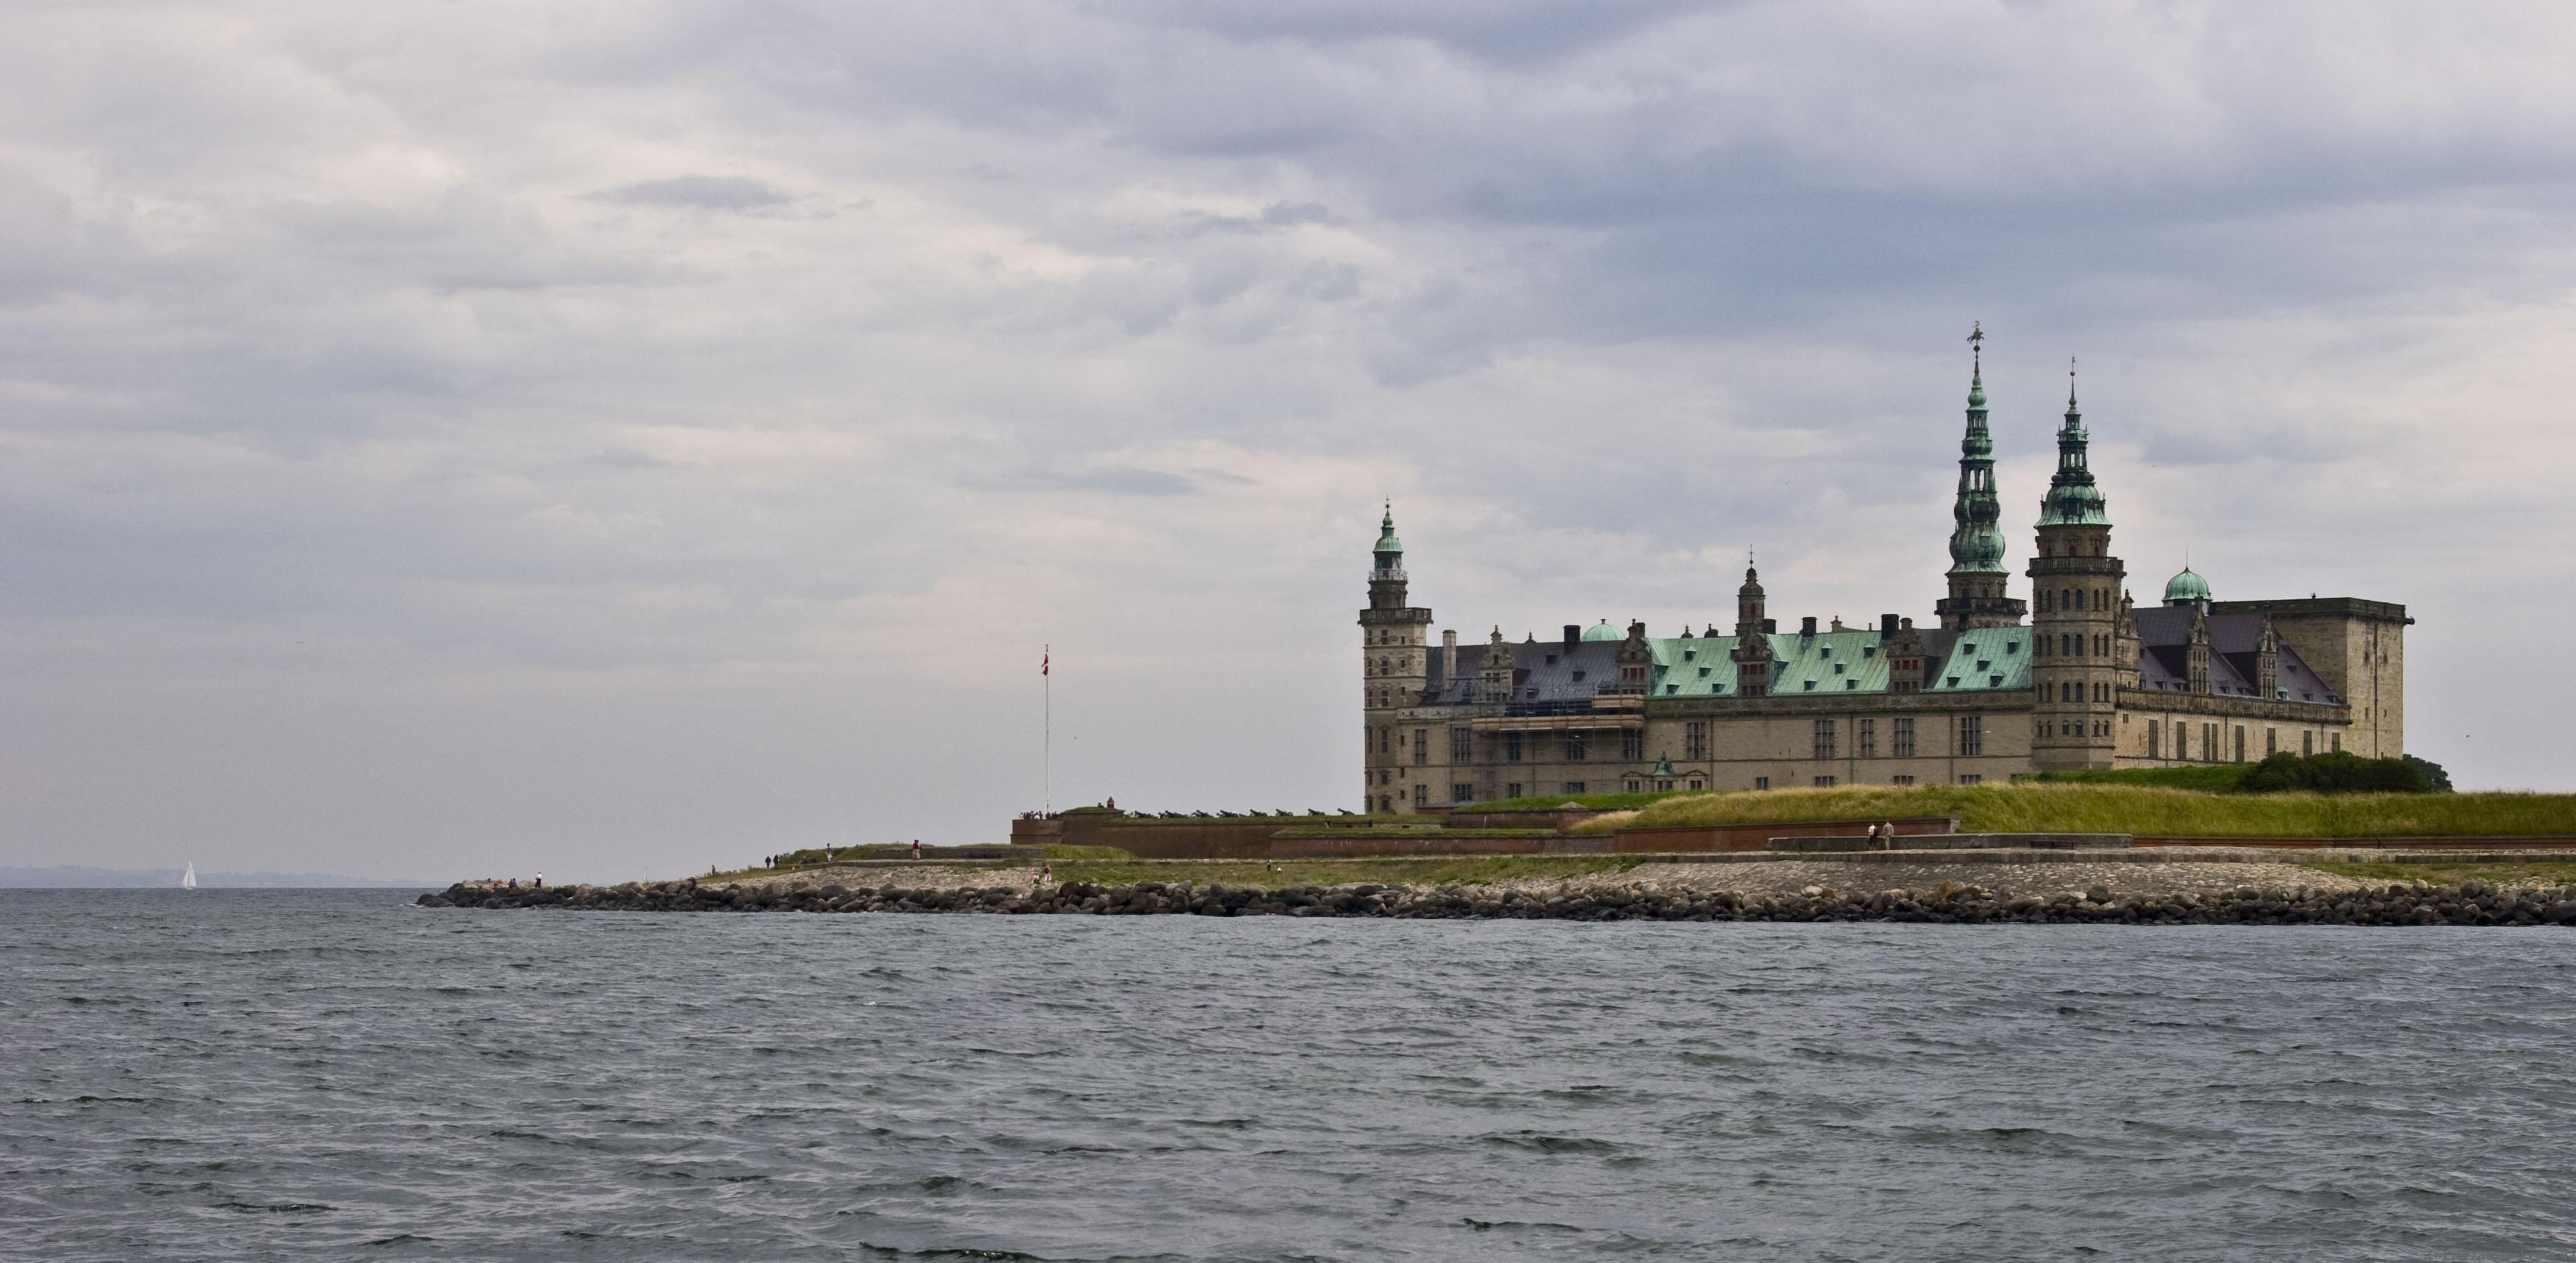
(1043, 656)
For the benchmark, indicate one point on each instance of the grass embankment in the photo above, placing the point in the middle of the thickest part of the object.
(1396, 870)
(2142, 810)
(1598, 802)
(2515, 873)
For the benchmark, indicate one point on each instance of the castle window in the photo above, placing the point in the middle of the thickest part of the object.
(1838, 668)
(1703, 673)
(1900, 780)
(1671, 689)
(1762, 782)
(1692, 655)
(2151, 740)
(1575, 745)
(1954, 681)
(1824, 782)
(1970, 778)
(1865, 738)
(1824, 739)
(1511, 789)
(1695, 739)
(1697, 783)
(1634, 785)
(1462, 745)
(2011, 646)
(1421, 747)
(1811, 686)
(1985, 664)
(1578, 677)
(1972, 735)
(1574, 787)
(2334, 742)
(1869, 651)
(1994, 681)
(1421, 795)
(1460, 793)
(1512, 752)
(1632, 743)
(1849, 685)
(2271, 742)
(1900, 735)
(1551, 659)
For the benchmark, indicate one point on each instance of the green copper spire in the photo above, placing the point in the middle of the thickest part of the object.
(1976, 546)
(1386, 540)
(2073, 500)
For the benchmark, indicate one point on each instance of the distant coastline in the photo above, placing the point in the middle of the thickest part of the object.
(85, 877)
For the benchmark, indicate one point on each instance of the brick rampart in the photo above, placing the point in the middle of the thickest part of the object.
(1751, 837)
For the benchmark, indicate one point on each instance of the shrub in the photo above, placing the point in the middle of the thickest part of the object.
(2339, 772)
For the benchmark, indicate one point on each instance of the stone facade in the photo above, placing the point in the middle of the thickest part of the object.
(2092, 680)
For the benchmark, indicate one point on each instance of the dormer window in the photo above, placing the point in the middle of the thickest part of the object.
(1811, 686)
(1551, 659)
(1869, 651)
(2012, 646)
(1984, 665)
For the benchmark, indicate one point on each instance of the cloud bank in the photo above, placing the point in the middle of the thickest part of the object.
(617, 438)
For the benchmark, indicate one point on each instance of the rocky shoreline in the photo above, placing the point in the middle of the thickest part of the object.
(1948, 902)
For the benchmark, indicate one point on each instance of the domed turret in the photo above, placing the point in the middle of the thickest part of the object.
(1603, 631)
(2187, 588)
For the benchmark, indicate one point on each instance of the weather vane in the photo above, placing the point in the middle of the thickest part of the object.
(1976, 341)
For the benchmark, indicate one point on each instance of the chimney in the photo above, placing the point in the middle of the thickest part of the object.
(1449, 653)
(1838, 622)
(1886, 625)
(1807, 627)
(1770, 627)
(1573, 633)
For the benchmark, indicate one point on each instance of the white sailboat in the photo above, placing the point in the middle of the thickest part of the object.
(188, 880)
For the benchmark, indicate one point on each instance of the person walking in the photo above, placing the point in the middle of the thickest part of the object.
(541, 881)
(916, 848)
(1887, 835)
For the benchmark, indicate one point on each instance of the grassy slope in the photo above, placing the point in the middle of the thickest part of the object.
(2080, 808)
(1392, 870)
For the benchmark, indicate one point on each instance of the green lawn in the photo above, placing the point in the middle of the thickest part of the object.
(2041, 807)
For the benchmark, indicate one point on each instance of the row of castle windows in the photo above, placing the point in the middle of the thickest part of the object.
(2075, 692)
(2076, 645)
(2209, 741)
(2074, 599)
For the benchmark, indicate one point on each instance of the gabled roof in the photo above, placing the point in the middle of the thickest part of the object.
(1982, 659)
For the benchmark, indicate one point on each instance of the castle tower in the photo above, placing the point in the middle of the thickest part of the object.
(1752, 639)
(1977, 576)
(2075, 612)
(1394, 667)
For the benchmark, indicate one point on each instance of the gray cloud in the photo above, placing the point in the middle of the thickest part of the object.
(703, 192)
(375, 437)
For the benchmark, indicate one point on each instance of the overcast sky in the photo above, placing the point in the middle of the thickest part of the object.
(616, 438)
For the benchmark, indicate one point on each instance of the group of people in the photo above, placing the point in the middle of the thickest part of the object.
(1883, 835)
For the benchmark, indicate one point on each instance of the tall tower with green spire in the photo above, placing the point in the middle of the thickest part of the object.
(1395, 651)
(2077, 639)
(1978, 580)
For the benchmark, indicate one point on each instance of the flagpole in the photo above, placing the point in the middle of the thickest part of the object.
(1046, 672)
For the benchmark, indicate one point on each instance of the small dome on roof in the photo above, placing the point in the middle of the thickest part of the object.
(2186, 588)
(1603, 631)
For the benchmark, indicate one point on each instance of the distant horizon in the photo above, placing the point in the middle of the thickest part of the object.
(93, 877)
(439, 439)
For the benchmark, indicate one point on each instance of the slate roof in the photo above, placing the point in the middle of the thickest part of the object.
(2164, 659)
(1854, 662)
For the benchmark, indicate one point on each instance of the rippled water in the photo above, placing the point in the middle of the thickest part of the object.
(236, 1074)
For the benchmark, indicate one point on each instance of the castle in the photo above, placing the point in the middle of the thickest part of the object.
(2089, 681)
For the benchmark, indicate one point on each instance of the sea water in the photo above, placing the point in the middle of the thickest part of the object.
(256, 1075)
